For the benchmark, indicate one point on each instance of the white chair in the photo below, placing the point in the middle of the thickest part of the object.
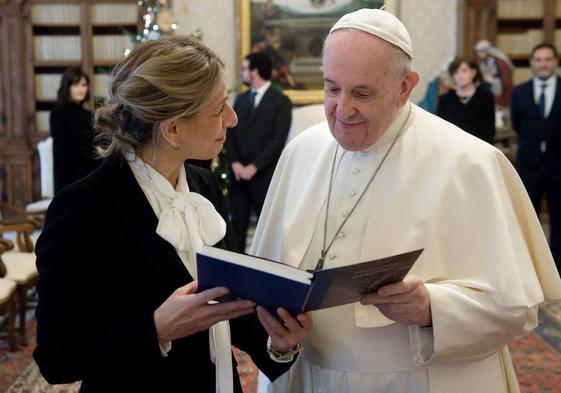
(304, 117)
(45, 149)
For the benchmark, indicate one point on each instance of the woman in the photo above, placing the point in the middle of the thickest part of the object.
(118, 307)
(71, 130)
(468, 106)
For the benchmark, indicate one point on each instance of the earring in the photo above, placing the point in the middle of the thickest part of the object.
(176, 146)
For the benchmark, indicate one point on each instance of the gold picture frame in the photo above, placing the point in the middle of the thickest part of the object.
(298, 97)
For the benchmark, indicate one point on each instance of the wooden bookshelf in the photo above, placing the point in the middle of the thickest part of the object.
(514, 26)
(39, 39)
(104, 26)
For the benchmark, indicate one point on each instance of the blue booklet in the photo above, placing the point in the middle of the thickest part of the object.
(273, 284)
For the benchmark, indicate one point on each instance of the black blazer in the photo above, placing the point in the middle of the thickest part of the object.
(103, 271)
(261, 133)
(476, 117)
(532, 129)
(73, 152)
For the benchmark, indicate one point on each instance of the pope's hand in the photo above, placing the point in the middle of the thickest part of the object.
(186, 312)
(406, 301)
(287, 335)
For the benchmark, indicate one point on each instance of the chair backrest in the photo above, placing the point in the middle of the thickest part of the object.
(45, 149)
(304, 117)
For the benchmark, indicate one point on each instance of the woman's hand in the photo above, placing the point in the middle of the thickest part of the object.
(186, 312)
(285, 336)
(405, 301)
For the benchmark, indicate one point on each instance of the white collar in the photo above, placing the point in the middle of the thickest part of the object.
(548, 82)
(262, 89)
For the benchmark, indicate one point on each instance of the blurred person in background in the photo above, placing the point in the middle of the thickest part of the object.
(496, 70)
(255, 144)
(469, 106)
(72, 130)
(536, 118)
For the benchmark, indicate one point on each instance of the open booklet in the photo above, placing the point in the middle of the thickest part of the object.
(273, 284)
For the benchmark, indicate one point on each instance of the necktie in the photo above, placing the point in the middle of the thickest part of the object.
(252, 103)
(541, 102)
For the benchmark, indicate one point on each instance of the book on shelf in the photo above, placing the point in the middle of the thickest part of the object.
(115, 14)
(535, 37)
(101, 84)
(57, 47)
(557, 38)
(512, 43)
(42, 122)
(273, 284)
(519, 43)
(522, 74)
(519, 9)
(46, 86)
(111, 46)
(55, 14)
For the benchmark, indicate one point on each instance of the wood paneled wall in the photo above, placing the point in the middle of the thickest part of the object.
(16, 153)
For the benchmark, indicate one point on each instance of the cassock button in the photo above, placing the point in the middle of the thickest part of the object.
(356, 171)
(332, 256)
(351, 193)
(342, 235)
(345, 213)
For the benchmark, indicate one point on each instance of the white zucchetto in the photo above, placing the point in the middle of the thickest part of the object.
(482, 46)
(380, 23)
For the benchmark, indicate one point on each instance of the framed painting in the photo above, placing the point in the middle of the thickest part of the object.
(291, 32)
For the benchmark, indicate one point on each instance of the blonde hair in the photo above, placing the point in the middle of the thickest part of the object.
(159, 80)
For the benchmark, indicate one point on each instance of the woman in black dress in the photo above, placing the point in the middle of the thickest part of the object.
(469, 106)
(72, 130)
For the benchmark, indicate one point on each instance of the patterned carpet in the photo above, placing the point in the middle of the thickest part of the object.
(19, 373)
(537, 359)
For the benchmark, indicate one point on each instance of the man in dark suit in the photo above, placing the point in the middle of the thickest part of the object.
(255, 144)
(536, 117)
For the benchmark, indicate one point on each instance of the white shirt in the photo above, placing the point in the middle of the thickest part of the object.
(550, 83)
(260, 92)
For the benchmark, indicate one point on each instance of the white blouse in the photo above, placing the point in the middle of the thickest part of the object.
(188, 221)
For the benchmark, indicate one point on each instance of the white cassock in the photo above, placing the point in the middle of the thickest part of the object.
(486, 263)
